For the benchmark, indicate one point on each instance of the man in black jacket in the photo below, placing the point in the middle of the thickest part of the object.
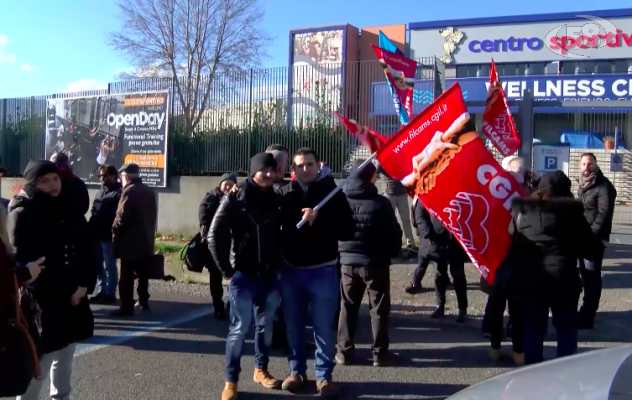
(102, 216)
(310, 275)
(244, 240)
(599, 196)
(75, 192)
(206, 212)
(365, 264)
(440, 246)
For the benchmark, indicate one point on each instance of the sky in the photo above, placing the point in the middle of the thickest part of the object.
(56, 47)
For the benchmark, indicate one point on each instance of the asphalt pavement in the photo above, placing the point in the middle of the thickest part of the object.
(176, 351)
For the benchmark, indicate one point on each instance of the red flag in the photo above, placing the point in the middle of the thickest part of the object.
(440, 155)
(400, 72)
(498, 124)
(365, 135)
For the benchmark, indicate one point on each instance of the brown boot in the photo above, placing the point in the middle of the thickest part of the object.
(293, 383)
(265, 379)
(327, 390)
(230, 391)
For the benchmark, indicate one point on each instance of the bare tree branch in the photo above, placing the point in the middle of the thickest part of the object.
(197, 42)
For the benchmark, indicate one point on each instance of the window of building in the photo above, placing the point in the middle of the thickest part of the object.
(531, 69)
(507, 69)
(622, 66)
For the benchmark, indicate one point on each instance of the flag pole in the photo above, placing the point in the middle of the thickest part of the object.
(339, 187)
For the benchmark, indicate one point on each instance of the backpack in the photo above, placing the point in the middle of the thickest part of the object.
(191, 254)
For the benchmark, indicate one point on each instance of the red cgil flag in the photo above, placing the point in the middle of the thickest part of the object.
(400, 73)
(498, 124)
(440, 156)
(364, 134)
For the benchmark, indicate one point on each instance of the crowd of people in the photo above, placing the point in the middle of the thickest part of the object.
(281, 278)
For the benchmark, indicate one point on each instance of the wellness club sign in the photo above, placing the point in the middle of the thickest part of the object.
(611, 87)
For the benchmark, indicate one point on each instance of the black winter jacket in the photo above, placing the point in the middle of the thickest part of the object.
(38, 227)
(549, 237)
(390, 186)
(316, 244)
(245, 232)
(208, 208)
(599, 199)
(377, 232)
(103, 211)
(437, 243)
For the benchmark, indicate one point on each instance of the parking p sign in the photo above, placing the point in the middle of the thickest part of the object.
(550, 163)
(549, 157)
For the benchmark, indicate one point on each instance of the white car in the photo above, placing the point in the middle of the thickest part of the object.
(594, 375)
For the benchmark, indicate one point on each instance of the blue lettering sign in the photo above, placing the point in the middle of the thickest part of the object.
(504, 45)
(610, 87)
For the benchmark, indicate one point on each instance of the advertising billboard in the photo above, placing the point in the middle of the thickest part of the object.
(316, 63)
(111, 130)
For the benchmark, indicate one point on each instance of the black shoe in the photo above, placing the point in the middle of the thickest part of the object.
(413, 289)
(122, 312)
(380, 360)
(108, 300)
(141, 306)
(460, 319)
(439, 312)
(97, 299)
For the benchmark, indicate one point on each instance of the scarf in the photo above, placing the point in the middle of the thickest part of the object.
(586, 181)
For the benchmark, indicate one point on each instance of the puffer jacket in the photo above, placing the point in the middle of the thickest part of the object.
(245, 232)
(599, 200)
(390, 186)
(377, 233)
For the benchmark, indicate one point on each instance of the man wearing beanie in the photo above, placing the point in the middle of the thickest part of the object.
(310, 275)
(365, 262)
(244, 240)
(206, 212)
(133, 237)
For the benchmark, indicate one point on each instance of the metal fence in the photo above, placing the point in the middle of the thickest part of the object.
(243, 114)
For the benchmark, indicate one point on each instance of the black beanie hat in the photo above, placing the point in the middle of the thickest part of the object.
(366, 173)
(555, 184)
(228, 177)
(38, 168)
(261, 161)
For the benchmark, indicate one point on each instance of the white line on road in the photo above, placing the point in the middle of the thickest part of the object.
(85, 348)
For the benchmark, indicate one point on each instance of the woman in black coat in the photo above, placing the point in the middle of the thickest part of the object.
(38, 226)
(550, 233)
(206, 212)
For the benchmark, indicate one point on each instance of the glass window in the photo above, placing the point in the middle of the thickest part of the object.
(507, 69)
(568, 68)
(587, 67)
(461, 71)
(483, 70)
(621, 66)
(552, 68)
(603, 67)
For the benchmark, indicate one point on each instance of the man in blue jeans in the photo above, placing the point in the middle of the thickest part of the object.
(309, 278)
(102, 213)
(244, 239)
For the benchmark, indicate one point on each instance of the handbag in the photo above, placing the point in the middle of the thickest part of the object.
(18, 355)
(191, 254)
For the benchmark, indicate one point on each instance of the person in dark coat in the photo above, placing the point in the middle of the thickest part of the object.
(310, 274)
(208, 208)
(102, 213)
(38, 227)
(133, 236)
(365, 264)
(244, 240)
(550, 233)
(440, 246)
(598, 196)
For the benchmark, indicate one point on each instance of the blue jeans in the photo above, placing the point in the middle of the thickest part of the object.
(318, 288)
(536, 319)
(248, 295)
(108, 274)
